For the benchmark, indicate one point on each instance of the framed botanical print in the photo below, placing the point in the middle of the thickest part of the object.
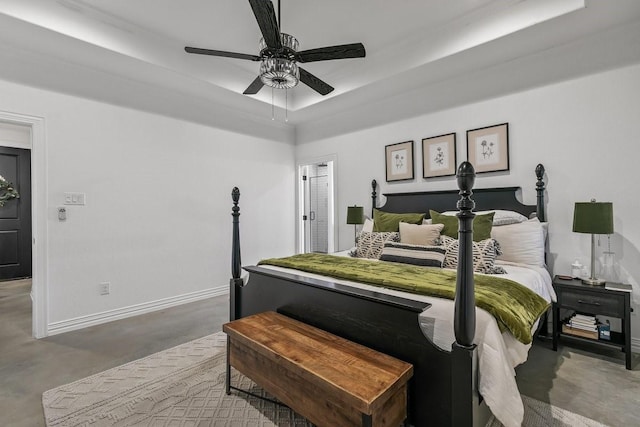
(399, 161)
(488, 148)
(439, 156)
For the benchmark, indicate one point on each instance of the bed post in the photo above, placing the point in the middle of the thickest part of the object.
(464, 396)
(540, 190)
(236, 263)
(235, 284)
(374, 195)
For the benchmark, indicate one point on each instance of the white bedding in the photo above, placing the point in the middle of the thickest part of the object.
(498, 353)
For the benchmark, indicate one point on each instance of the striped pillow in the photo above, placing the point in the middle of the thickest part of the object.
(425, 256)
(485, 253)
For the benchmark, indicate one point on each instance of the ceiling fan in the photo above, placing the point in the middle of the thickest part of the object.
(279, 54)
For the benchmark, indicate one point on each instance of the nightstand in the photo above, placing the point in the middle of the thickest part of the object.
(593, 300)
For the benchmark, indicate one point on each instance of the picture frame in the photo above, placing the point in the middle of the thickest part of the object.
(399, 161)
(439, 157)
(488, 148)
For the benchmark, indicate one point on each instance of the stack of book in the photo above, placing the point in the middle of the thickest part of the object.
(582, 325)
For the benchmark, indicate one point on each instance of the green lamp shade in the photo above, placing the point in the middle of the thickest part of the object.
(355, 215)
(593, 217)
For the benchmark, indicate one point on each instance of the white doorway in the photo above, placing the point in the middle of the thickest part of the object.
(39, 215)
(316, 207)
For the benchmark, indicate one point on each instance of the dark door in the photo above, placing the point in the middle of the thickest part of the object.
(15, 215)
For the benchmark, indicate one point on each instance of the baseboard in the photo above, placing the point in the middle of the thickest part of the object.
(133, 310)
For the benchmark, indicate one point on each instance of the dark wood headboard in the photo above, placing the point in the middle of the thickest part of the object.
(485, 198)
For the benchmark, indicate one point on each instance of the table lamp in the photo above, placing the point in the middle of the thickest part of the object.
(355, 216)
(593, 218)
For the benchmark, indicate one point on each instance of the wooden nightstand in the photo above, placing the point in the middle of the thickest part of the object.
(593, 300)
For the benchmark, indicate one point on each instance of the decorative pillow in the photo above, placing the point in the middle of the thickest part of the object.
(422, 234)
(481, 225)
(522, 243)
(485, 253)
(505, 217)
(425, 256)
(370, 244)
(368, 225)
(387, 221)
(501, 217)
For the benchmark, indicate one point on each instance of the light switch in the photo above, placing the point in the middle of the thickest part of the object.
(74, 198)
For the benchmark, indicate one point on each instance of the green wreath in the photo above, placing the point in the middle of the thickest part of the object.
(7, 191)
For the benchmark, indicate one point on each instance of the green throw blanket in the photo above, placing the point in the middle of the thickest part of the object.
(515, 307)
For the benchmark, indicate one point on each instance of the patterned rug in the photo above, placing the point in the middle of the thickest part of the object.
(184, 386)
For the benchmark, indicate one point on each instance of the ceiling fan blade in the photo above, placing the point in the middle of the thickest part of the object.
(266, 17)
(254, 87)
(353, 50)
(314, 83)
(200, 51)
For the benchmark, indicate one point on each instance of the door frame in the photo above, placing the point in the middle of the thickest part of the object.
(332, 172)
(39, 214)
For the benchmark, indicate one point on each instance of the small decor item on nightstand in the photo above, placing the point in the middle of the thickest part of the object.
(581, 325)
(604, 331)
(621, 287)
(576, 269)
(593, 218)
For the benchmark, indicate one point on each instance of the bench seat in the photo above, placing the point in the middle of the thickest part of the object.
(325, 378)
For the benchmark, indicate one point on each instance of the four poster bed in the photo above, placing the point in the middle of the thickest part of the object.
(445, 390)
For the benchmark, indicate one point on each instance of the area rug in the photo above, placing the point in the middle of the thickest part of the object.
(184, 386)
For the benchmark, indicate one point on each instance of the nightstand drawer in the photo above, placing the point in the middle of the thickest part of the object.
(593, 302)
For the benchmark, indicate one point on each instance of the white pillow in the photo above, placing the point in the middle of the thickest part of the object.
(367, 227)
(522, 243)
(420, 234)
(501, 217)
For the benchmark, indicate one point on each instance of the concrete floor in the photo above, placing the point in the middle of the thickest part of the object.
(591, 383)
(29, 367)
(594, 385)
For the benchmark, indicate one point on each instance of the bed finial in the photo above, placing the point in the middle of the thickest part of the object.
(464, 315)
(236, 264)
(374, 195)
(540, 190)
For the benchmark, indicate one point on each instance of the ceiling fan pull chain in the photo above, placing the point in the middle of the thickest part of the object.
(286, 105)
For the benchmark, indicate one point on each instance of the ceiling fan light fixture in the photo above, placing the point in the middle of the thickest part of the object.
(279, 54)
(279, 73)
(288, 42)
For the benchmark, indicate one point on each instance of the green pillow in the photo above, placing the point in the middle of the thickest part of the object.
(482, 225)
(387, 221)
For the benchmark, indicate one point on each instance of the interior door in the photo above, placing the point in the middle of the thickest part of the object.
(15, 215)
(319, 214)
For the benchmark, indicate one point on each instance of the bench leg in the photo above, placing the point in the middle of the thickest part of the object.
(227, 381)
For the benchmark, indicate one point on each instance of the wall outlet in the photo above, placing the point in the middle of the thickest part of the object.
(105, 288)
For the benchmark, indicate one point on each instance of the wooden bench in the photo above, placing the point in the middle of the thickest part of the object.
(327, 379)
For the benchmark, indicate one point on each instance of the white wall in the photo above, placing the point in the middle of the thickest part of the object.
(157, 222)
(586, 132)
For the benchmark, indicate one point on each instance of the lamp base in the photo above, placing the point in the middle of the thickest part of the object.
(593, 281)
